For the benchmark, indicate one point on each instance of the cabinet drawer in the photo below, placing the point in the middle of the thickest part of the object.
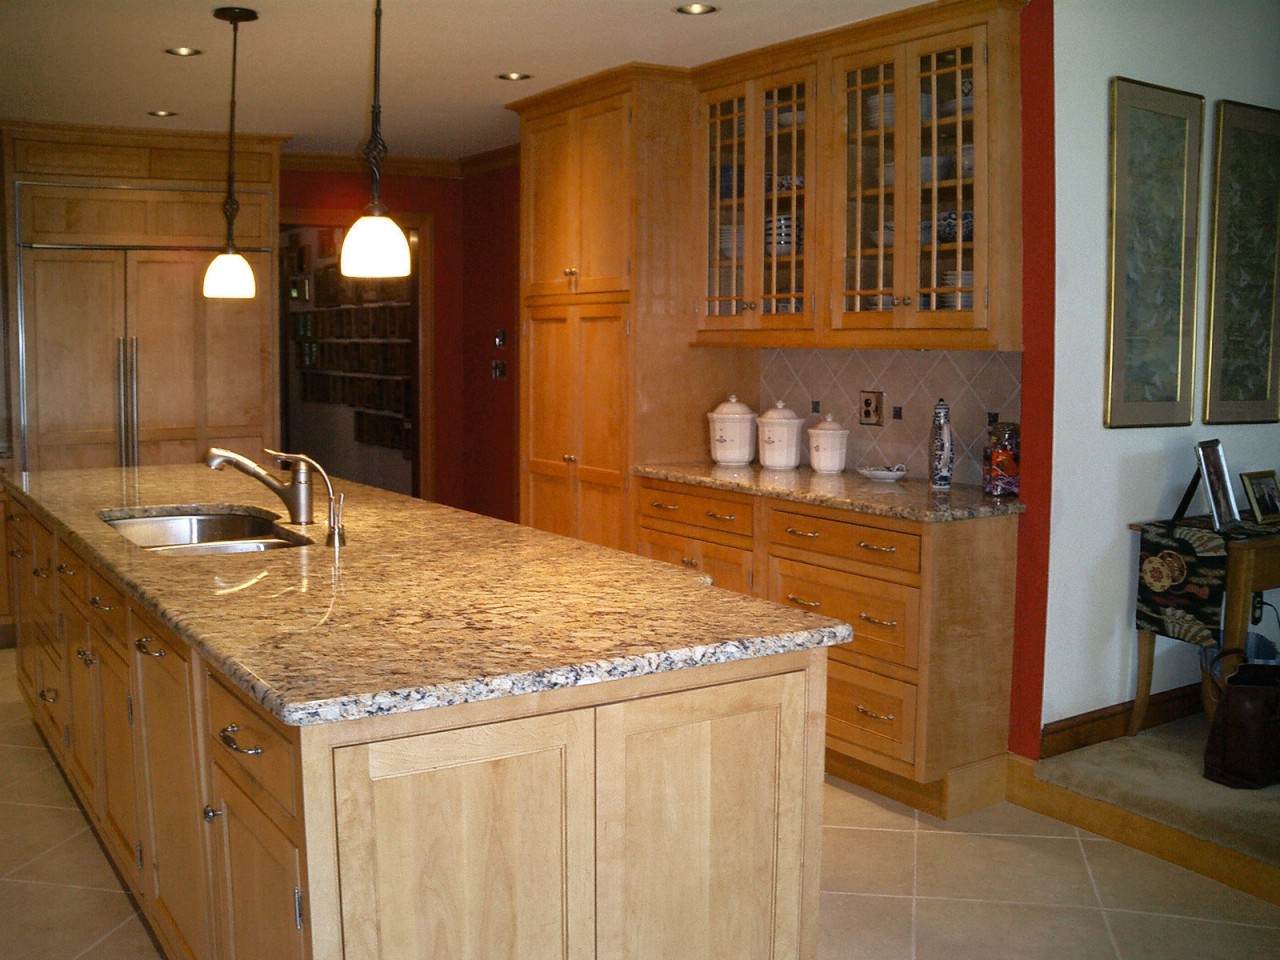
(728, 567)
(884, 615)
(852, 541)
(699, 510)
(871, 711)
(73, 573)
(244, 740)
(108, 603)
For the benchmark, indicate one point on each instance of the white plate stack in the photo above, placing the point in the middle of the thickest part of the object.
(880, 110)
(964, 298)
(783, 235)
(731, 241)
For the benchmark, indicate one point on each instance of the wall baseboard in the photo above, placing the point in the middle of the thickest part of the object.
(1110, 723)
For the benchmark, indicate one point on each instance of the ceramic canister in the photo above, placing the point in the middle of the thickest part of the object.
(779, 438)
(827, 441)
(733, 433)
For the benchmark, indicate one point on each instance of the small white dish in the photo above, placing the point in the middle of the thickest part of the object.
(884, 474)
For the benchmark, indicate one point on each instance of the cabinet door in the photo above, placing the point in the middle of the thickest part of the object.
(470, 844)
(549, 412)
(548, 173)
(713, 780)
(728, 567)
(600, 470)
(177, 862)
(119, 823)
(259, 880)
(73, 320)
(604, 202)
(84, 755)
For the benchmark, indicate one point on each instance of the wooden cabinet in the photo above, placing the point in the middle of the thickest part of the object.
(704, 530)
(759, 203)
(178, 882)
(910, 186)
(573, 163)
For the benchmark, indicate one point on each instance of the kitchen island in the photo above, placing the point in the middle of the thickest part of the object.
(454, 737)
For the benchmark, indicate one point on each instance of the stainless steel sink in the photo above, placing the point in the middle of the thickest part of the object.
(193, 531)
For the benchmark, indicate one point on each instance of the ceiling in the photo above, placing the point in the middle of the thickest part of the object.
(305, 66)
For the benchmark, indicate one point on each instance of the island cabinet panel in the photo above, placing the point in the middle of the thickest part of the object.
(18, 528)
(178, 881)
(712, 780)
(119, 815)
(84, 752)
(473, 844)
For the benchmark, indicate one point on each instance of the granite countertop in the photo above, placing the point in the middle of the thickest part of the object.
(426, 606)
(906, 499)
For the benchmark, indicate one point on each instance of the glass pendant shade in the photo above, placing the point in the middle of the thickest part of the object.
(375, 246)
(229, 277)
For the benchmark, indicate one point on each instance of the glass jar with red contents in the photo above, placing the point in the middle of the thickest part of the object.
(1000, 460)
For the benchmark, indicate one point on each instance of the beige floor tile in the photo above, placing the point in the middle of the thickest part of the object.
(44, 788)
(1129, 879)
(867, 861)
(45, 922)
(856, 927)
(1145, 936)
(21, 732)
(1015, 869)
(956, 930)
(13, 710)
(79, 862)
(29, 831)
(17, 762)
(129, 941)
(846, 805)
(1004, 818)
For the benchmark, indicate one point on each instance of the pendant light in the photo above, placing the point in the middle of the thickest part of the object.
(229, 276)
(375, 246)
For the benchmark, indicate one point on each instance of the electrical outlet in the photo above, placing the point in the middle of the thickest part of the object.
(1255, 615)
(871, 408)
(815, 406)
(897, 413)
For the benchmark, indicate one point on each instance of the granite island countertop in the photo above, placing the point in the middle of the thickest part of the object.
(426, 606)
(907, 499)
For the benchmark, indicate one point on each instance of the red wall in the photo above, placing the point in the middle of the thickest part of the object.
(1037, 377)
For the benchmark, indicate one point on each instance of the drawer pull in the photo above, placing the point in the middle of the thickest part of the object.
(873, 715)
(48, 695)
(689, 562)
(41, 573)
(811, 604)
(141, 646)
(727, 517)
(66, 571)
(867, 618)
(17, 554)
(96, 602)
(871, 546)
(803, 533)
(664, 506)
(229, 741)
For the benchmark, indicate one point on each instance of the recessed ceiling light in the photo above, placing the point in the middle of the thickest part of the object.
(696, 9)
(162, 113)
(513, 76)
(183, 52)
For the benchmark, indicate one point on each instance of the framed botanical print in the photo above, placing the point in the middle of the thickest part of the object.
(1242, 378)
(1155, 188)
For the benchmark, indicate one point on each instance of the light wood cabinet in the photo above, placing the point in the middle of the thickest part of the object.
(704, 530)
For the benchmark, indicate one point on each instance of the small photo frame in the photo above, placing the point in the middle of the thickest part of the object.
(1264, 495)
(1222, 501)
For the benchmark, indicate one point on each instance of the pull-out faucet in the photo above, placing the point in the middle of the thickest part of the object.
(296, 494)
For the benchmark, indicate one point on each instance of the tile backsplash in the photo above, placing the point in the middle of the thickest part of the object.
(972, 383)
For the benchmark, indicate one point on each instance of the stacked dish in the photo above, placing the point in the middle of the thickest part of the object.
(783, 236)
(731, 241)
(879, 110)
(964, 297)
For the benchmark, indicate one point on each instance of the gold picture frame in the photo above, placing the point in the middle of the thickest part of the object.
(1242, 370)
(1263, 494)
(1156, 136)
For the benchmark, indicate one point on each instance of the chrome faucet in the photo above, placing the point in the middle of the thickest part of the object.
(296, 494)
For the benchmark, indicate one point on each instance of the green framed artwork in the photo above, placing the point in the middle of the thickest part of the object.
(1156, 138)
(1243, 359)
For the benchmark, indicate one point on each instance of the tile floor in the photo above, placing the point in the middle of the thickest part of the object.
(896, 884)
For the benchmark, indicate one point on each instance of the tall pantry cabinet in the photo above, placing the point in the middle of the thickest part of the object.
(115, 356)
(608, 377)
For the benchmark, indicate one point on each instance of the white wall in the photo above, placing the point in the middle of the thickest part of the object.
(1104, 479)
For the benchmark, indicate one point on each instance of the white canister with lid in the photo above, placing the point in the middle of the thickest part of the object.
(733, 433)
(780, 438)
(827, 442)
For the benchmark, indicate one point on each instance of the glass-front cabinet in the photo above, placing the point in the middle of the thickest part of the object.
(757, 195)
(911, 249)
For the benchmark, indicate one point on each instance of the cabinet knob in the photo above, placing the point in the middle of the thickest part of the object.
(569, 458)
(746, 304)
(48, 695)
(210, 813)
(141, 646)
(570, 271)
(906, 301)
(96, 602)
(17, 554)
(86, 657)
(897, 301)
(40, 572)
(66, 571)
(689, 562)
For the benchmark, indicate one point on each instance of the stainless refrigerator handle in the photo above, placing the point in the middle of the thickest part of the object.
(133, 386)
(120, 401)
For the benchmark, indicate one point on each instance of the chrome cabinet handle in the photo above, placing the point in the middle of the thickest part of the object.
(872, 714)
(48, 695)
(41, 573)
(86, 657)
(66, 571)
(569, 458)
(12, 517)
(803, 533)
(210, 813)
(229, 741)
(141, 646)
(871, 546)
(812, 604)
(96, 602)
(664, 506)
(867, 618)
(689, 562)
(17, 553)
(727, 517)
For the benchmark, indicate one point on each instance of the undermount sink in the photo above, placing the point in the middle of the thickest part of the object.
(194, 531)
